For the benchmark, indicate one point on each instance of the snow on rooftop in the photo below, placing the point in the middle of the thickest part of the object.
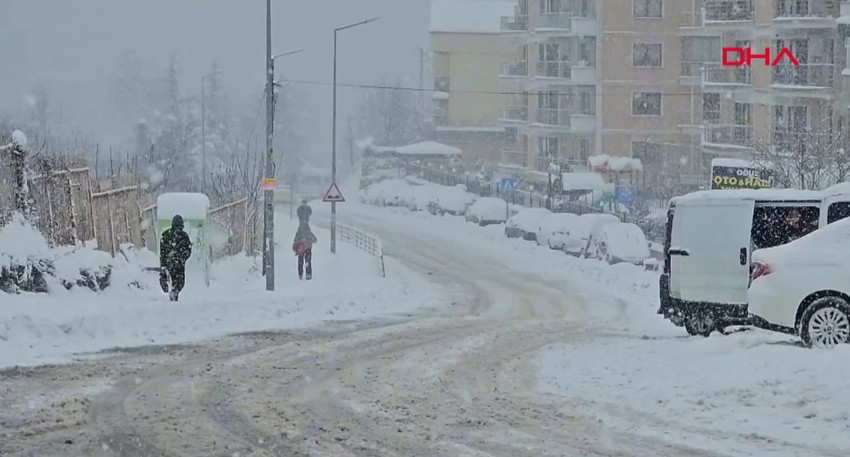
(187, 205)
(469, 16)
(582, 181)
(428, 148)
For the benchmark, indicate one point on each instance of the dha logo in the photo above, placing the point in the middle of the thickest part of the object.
(745, 56)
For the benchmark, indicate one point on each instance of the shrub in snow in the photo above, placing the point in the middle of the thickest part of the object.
(28, 264)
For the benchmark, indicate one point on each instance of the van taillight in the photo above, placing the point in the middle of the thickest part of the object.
(760, 269)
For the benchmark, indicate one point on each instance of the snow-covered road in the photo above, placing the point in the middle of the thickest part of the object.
(458, 380)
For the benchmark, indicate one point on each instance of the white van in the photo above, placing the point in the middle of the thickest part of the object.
(710, 236)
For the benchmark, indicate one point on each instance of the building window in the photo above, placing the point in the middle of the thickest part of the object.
(646, 104)
(648, 8)
(646, 55)
(548, 147)
(711, 108)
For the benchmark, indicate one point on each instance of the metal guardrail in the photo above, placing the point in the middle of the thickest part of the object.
(364, 241)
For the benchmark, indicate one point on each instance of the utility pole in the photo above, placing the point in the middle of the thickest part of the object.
(203, 139)
(422, 83)
(350, 141)
(333, 136)
(268, 212)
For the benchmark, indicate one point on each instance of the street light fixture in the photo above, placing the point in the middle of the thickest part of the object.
(287, 53)
(204, 131)
(333, 145)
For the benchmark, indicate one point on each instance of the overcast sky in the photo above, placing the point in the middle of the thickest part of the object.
(73, 47)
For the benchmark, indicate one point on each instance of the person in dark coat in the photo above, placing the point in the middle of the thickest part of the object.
(174, 250)
(304, 212)
(302, 245)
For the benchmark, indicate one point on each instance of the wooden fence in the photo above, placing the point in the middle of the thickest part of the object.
(70, 209)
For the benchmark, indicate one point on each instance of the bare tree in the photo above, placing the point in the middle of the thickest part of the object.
(390, 115)
(813, 158)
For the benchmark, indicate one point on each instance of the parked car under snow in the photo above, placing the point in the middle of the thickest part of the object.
(487, 210)
(623, 243)
(553, 227)
(524, 224)
(583, 244)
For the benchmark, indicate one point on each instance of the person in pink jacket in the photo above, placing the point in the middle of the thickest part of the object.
(302, 246)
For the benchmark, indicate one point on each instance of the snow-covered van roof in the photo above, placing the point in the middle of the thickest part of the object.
(751, 194)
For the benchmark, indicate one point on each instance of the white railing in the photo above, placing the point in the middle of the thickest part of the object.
(806, 75)
(364, 241)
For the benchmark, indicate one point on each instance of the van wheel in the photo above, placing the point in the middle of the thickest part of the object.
(700, 324)
(826, 323)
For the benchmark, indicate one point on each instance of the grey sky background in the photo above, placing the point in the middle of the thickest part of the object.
(73, 47)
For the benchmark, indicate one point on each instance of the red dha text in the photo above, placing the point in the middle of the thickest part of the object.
(735, 57)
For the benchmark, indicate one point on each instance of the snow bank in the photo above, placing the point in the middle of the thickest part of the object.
(37, 328)
(753, 386)
(489, 209)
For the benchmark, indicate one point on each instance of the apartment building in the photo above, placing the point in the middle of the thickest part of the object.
(745, 108)
(597, 77)
(467, 52)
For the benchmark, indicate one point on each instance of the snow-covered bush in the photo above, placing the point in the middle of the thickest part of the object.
(29, 264)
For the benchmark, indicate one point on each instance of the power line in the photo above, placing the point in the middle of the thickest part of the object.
(480, 92)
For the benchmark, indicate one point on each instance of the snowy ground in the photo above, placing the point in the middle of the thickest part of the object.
(544, 354)
(38, 328)
(747, 393)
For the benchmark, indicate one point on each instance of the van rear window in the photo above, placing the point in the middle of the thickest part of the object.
(778, 225)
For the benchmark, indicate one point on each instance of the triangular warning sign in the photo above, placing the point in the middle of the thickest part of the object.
(333, 195)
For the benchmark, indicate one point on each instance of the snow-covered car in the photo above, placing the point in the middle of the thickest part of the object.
(591, 251)
(803, 287)
(486, 211)
(524, 224)
(563, 235)
(552, 225)
(452, 200)
(581, 239)
(623, 243)
(417, 198)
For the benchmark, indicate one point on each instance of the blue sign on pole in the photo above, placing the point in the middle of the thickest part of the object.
(626, 194)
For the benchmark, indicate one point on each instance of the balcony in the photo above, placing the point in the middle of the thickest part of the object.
(514, 69)
(514, 158)
(514, 23)
(555, 70)
(691, 72)
(566, 72)
(556, 21)
(553, 119)
(731, 12)
(803, 14)
(734, 136)
(805, 76)
(727, 77)
(515, 114)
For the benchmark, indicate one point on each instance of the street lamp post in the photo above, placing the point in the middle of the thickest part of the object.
(333, 136)
(287, 53)
(204, 131)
